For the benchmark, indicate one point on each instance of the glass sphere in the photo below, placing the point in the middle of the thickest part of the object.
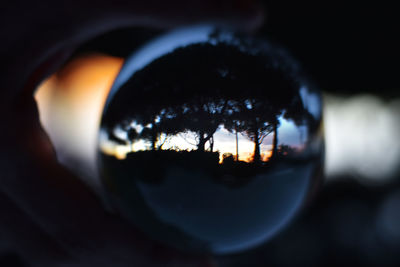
(210, 141)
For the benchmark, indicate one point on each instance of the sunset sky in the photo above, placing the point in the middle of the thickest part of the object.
(224, 142)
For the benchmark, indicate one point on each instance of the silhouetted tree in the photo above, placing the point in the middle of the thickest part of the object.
(116, 139)
(275, 124)
(131, 134)
(158, 124)
(231, 121)
(203, 116)
(252, 118)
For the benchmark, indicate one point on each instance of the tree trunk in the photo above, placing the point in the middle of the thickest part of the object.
(257, 152)
(237, 145)
(202, 142)
(154, 141)
(275, 141)
(201, 147)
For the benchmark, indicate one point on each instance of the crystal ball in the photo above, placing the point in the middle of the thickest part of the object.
(210, 141)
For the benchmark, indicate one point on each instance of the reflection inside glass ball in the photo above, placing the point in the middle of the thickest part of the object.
(210, 142)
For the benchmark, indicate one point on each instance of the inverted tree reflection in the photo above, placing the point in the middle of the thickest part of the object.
(204, 104)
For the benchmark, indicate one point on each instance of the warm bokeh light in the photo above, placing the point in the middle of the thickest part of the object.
(362, 137)
(71, 102)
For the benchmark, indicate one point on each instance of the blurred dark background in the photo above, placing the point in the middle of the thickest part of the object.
(348, 47)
